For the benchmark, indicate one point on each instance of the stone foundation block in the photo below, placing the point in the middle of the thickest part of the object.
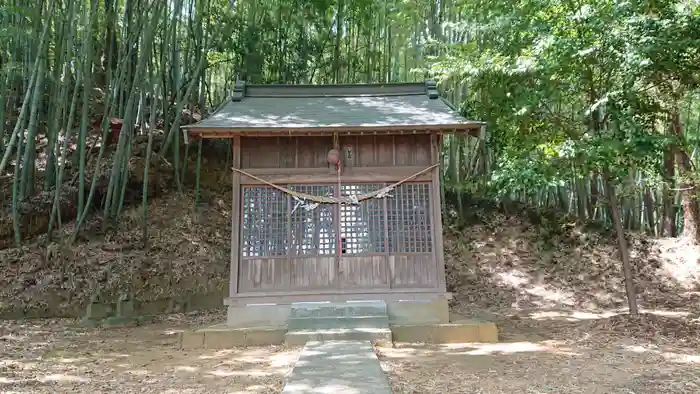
(462, 332)
(223, 337)
(488, 332)
(431, 311)
(263, 337)
(192, 340)
(260, 315)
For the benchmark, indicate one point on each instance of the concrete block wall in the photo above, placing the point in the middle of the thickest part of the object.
(130, 308)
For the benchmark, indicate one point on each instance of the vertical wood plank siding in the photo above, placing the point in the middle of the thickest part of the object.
(383, 265)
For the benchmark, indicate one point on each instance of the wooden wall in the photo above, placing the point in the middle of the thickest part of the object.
(372, 159)
(406, 271)
(311, 152)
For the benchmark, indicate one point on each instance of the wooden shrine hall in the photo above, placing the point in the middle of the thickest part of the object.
(336, 196)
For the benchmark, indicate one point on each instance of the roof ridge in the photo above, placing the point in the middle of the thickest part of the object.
(334, 84)
(243, 90)
(337, 95)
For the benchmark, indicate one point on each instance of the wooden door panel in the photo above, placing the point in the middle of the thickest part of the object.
(263, 274)
(363, 272)
(313, 273)
(414, 270)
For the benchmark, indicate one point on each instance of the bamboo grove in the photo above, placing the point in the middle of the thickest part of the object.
(592, 105)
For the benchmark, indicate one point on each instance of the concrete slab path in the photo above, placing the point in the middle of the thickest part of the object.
(338, 367)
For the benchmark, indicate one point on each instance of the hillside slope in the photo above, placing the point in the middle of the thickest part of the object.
(188, 252)
(497, 264)
(506, 261)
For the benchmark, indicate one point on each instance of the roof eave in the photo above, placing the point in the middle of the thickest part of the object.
(475, 129)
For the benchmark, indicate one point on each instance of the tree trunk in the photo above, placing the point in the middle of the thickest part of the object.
(668, 227)
(688, 191)
(649, 208)
(622, 241)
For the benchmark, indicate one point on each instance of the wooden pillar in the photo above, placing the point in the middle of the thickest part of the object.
(235, 216)
(438, 247)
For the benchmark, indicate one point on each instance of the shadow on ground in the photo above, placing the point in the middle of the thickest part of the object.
(50, 356)
(544, 366)
(509, 266)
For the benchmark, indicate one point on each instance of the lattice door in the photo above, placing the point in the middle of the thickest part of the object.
(376, 244)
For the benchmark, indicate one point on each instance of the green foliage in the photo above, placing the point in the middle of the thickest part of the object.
(571, 88)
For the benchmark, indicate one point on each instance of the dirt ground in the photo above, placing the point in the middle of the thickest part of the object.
(547, 357)
(57, 356)
(555, 292)
(551, 354)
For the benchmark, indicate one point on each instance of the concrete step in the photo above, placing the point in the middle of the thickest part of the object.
(380, 336)
(305, 310)
(308, 323)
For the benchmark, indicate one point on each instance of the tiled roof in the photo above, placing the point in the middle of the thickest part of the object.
(328, 106)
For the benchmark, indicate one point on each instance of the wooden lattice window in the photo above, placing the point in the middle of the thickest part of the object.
(264, 222)
(274, 225)
(408, 216)
(362, 226)
(313, 232)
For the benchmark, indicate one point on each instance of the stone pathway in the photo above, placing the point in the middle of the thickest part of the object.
(347, 367)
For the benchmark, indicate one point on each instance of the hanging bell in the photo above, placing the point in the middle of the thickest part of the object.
(333, 157)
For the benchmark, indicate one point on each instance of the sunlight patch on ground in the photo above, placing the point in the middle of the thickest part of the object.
(8, 381)
(406, 350)
(138, 372)
(595, 315)
(16, 365)
(251, 373)
(62, 378)
(548, 294)
(217, 354)
(682, 358)
(118, 355)
(477, 349)
(251, 389)
(638, 348)
(172, 332)
(186, 368)
(65, 360)
(276, 360)
(504, 348)
(680, 261)
(10, 337)
(665, 313)
(572, 316)
(670, 356)
(484, 349)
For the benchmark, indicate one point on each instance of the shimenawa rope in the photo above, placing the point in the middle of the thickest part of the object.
(303, 198)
